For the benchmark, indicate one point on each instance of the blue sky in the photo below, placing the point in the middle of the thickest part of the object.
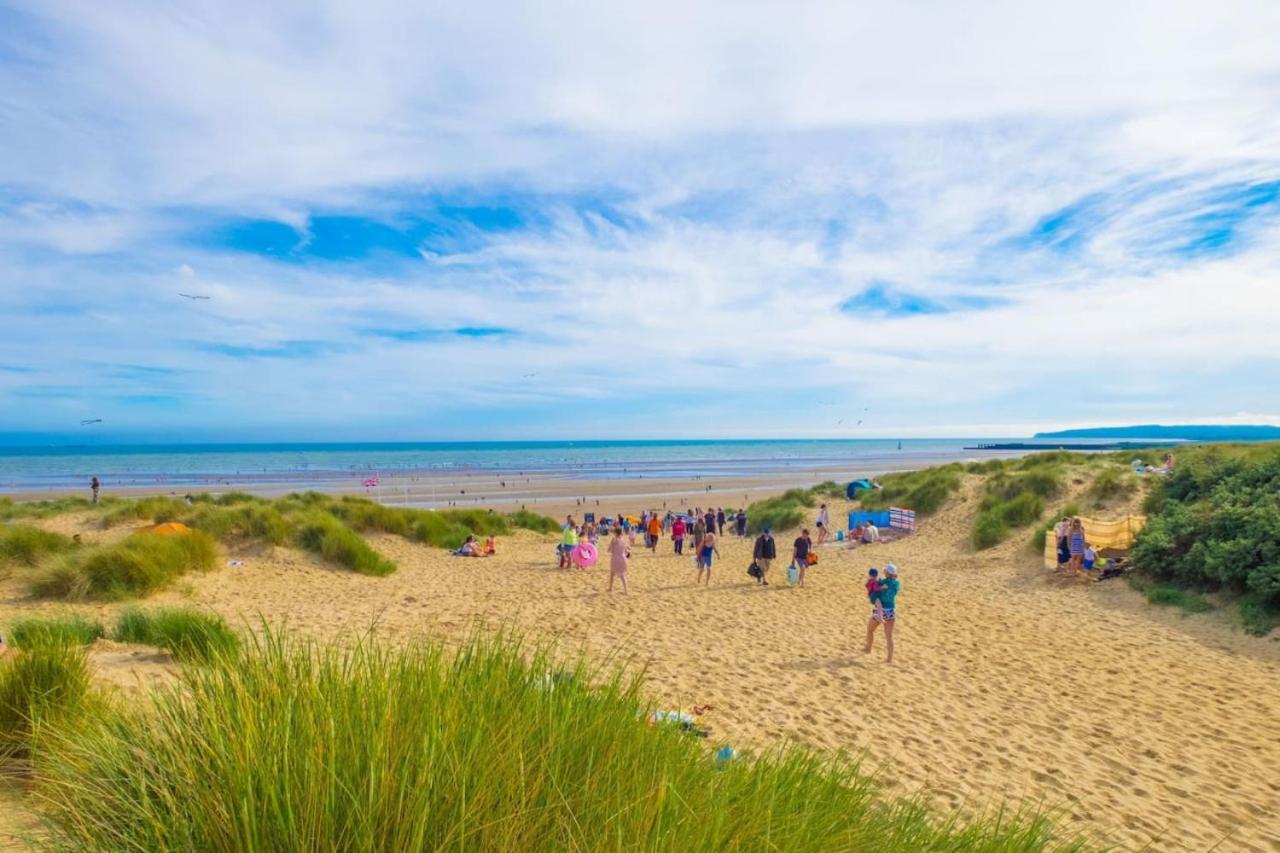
(535, 220)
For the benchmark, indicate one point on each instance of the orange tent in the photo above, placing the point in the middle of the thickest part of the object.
(168, 528)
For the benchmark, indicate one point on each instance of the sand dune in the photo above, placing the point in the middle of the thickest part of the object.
(1142, 726)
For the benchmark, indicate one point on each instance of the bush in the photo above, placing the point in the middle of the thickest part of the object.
(46, 684)
(533, 521)
(1189, 602)
(27, 545)
(188, 635)
(924, 491)
(1112, 483)
(258, 522)
(139, 565)
(988, 530)
(1025, 509)
(72, 630)
(325, 535)
(157, 509)
(1258, 617)
(829, 489)
(491, 747)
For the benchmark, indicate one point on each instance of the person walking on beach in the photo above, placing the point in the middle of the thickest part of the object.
(824, 523)
(678, 528)
(655, 532)
(618, 556)
(94, 486)
(882, 612)
(699, 533)
(742, 522)
(764, 553)
(705, 556)
(720, 519)
(800, 554)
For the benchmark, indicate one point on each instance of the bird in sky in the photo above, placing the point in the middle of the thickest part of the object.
(529, 375)
(91, 421)
(193, 296)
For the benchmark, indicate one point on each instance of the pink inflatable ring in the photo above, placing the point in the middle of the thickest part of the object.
(584, 555)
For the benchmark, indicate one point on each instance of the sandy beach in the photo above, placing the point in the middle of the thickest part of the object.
(1141, 726)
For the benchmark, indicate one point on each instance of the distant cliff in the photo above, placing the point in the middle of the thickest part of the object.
(1191, 432)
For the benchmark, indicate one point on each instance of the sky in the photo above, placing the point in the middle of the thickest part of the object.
(594, 220)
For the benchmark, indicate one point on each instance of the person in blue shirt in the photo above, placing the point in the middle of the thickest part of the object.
(884, 613)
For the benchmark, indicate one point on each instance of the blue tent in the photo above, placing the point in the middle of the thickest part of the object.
(856, 486)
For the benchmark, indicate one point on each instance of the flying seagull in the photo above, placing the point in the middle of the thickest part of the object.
(194, 296)
(529, 375)
(91, 421)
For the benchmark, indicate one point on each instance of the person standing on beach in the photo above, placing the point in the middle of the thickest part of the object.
(763, 553)
(699, 533)
(618, 556)
(94, 486)
(568, 541)
(720, 519)
(800, 554)
(1076, 545)
(655, 532)
(882, 613)
(711, 520)
(705, 556)
(824, 523)
(742, 522)
(678, 528)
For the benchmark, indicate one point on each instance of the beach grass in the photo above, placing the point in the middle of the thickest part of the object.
(1184, 600)
(924, 491)
(136, 566)
(67, 630)
(1016, 499)
(781, 512)
(189, 635)
(11, 510)
(26, 546)
(239, 522)
(322, 533)
(38, 687)
(1112, 483)
(1257, 615)
(295, 746)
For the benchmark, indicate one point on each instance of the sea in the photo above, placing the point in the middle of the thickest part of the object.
(272, 467)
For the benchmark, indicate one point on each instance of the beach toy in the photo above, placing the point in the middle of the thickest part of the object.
(584, 555)
(839, 535)
(724, 755)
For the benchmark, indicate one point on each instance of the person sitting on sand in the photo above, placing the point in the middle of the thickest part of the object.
(705, 555)
(470, 549)
(870, 533)
(884, 613)
(619, 554)
(491, 546)
(764, 553)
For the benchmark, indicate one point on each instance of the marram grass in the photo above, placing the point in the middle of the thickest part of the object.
(187, 634)
(296, 747)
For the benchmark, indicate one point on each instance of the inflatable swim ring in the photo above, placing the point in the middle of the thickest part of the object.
(584, 555)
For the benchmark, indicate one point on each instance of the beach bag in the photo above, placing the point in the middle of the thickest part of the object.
(812, 558)
(754, 569)
(793, 574)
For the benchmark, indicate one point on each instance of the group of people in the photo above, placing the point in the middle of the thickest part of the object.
(765, 551)
(1075, 554)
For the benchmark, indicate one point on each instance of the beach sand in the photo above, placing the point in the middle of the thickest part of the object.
(1142, 726)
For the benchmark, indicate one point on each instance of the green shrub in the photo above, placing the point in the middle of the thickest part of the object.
(71, 630)
(27, 545)
(829, 489)
(320, 532)
(138, 565)
(924, 491)
(1112, 483)
(987, 466)
(1259, 617)
(258, 522)
(299, 748)
(1025, 509)
(533, 521)
(1189, 602)
(43, 685)
(988, 530)
(157, 509)
(188, 635)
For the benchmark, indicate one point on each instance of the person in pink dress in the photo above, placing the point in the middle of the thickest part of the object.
(618, 556)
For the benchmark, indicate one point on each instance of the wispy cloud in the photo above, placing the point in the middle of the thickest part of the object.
(687, 220)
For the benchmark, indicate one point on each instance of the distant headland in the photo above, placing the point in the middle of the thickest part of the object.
(1191, 432)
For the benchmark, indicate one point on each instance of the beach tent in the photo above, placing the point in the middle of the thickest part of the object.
(880, 518)
(168, 528)
(1118, 534)
(857, 486)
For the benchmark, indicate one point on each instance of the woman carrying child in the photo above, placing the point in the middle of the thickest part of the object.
(883, 597)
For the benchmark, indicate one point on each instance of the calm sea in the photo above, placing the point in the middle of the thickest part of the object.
(291, 465)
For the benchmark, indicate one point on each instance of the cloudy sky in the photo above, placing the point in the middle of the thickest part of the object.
(542, 220)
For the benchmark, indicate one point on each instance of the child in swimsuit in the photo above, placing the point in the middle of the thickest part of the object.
(874, 588)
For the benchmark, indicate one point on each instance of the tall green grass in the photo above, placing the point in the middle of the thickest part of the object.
(296, 747)
(1016, 499)
(1184, 600)
(1112, 483)
(325, 535)
(924, 491)
(157, 509)
(139, 565)
(781, 512)
(68, 630)
(26, 546)
(11, 510)
(47, 684)
(189, 635)
(240, 522)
